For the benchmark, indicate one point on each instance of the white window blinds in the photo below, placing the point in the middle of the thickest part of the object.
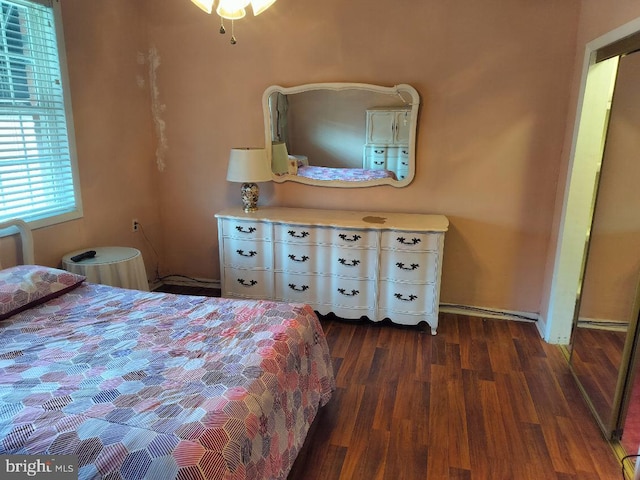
(36, 168)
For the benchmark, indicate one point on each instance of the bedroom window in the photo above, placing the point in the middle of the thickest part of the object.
(38, 175)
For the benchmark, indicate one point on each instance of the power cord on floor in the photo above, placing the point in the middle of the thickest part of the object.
(155, 252)
(627, 457)
(159, 278)
(488, 311)
(164, 277)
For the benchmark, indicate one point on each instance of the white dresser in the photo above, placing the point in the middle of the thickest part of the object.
(354, 264)
(387, 141)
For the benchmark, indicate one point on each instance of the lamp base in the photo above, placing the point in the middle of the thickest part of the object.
(250, 192)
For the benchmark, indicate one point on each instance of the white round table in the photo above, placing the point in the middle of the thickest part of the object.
(115, 266)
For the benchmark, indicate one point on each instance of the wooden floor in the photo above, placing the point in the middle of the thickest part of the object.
(484, 399)
(596, 359)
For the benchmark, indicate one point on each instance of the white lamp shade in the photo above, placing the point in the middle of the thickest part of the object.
(248, 165)
(206, 5)
(234, 4)
(260, 6)
(232, 9)
(231, 14)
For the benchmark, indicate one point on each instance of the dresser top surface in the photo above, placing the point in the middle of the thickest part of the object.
(347, 219)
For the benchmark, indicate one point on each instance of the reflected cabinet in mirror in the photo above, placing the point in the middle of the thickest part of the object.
(341, 134)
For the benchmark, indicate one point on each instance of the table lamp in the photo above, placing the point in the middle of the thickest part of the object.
(249, 165)
(279, 158)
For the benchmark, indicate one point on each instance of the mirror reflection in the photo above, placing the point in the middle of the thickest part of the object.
(605, 329)
(342, 134)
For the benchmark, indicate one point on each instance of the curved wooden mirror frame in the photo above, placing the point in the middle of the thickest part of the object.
(325, 124)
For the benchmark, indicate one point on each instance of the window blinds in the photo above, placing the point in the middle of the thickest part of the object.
(36, 175)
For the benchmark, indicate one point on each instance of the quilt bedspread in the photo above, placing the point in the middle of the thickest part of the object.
(159, 386)
(344, 174)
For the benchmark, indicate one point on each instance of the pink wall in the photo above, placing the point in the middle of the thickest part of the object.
(495, 79)
(595, 21)
(494, 83)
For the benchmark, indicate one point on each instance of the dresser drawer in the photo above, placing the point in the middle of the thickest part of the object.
(377, 164)
(247, 283)
(245, 229)
(247, 253)
(402, 173)
(376, 152)
(351, 293)
(346, 262)
(297, 287)
(308, 235)
(414, 267)
(317, 290)
(407, 297)
(415, 241)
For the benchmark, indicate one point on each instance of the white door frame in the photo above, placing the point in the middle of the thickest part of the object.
(586, 154)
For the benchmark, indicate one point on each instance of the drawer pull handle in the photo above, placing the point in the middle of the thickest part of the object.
(401, 266)
(354, 238)
(378, 151)
(346, 263)
(251, 253)
(241, 229)
(347, 294)
(301, 288)
(378, 163)
(410, 298)
(298, 235)
(250, 283)
(303, 258)
(404, 241)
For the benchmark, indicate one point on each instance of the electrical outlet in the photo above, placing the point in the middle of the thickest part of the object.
(135, 225)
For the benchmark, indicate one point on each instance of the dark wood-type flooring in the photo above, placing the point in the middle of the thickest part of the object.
(482, 400)
(596, 359)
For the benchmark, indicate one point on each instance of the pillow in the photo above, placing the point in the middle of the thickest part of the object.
(25, 286)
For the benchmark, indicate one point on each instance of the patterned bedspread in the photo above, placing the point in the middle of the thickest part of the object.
(345, 174)
(160, 386)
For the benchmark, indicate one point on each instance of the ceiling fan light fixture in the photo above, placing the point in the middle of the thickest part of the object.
(231, 14)
(205, 5)
(260, 6)
(233, 10)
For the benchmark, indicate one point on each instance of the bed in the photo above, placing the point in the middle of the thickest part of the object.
(344, 174)
(153, 385)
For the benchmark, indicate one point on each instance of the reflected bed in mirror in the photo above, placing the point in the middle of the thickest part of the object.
(341, 134)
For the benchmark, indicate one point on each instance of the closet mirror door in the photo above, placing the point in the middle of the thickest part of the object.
(629, 419)
(604, 329)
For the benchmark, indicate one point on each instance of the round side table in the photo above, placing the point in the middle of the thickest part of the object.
(115, 266)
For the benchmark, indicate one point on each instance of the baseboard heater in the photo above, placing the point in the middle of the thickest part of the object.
(489, 312)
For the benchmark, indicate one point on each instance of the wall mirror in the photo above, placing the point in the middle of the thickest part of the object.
(341, 134)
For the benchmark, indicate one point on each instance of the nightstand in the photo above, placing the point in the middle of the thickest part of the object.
(115, 266)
